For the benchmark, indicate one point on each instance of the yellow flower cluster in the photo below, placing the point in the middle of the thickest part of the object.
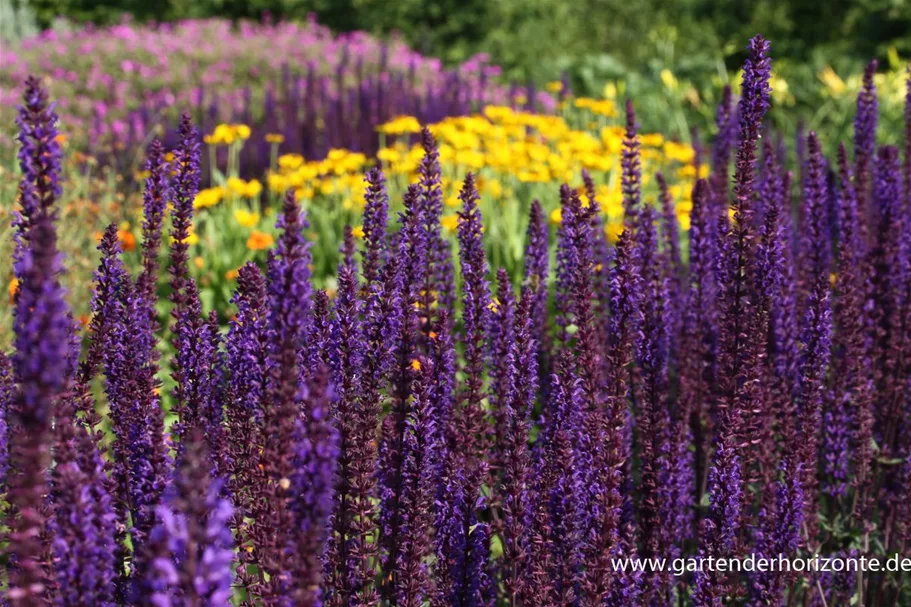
(340, 174)
(401, 125)
(234, 186)
(602, 107)
(226, 134)
(507, 149)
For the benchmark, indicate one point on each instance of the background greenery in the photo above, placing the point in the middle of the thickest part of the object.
(589, 38)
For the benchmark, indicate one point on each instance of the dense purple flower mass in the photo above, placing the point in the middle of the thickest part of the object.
(426, 431)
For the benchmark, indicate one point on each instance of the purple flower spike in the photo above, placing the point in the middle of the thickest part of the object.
(376, 212)
(632, 173)
(42, 330)
(155, 199)
(189, 557)
(469, 418)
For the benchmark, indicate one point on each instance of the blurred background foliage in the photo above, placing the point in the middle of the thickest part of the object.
(686, 49)
(591, 39)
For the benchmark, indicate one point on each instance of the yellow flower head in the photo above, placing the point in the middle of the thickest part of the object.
(259, 241)
(242, 131)
(450, 222)
(556, 216)
(246, 218)
(358, 232)
(13, 288)
(275, 138)
(208, 198)
(554, 86)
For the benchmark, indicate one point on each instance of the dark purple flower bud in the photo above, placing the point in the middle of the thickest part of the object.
(320, 332)
(851, 391)
(440, 283)
(719, 534)
(312, 487)
(555, 551)
(779, 536)
(536, 282)
(357, 452)
(376, 212)
(188, 560)
(725, 140)
(184, 186)
(155, 200)
(7, 391)
(814, 243)
(288, 296)
(410, 578)
(631, 168)
(84, 519)
(865, 122)
(41, 362)
(469, 417)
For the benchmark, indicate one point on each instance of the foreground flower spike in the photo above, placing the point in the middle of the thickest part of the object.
(312, 487)
(155, 199)
(780, 535)
(890, 275)
(288, 296)
(188, 559)
(440, 285)
(517, 389)
(536, 282)
(726, 122)
(737, 367)
(631, 168)
(138, 470)
(7, 390)
(412, 581)
(555, 550)
(84, 521)
(851, 395)
(357, 456)
(719, 534)
(246, 349)
(184, 187)
(376, 213)
(865, 123)
(469, 417)
(39, 153)
(652, 422)
(408, 280)
(699, 337)
(42, 330)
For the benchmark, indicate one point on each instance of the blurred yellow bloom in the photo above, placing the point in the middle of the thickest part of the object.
(259, 241)
(358, 232)
(555, 86)
(242, 131)
(556, 216)
(401, 125)
(198, 262)
(450, 222)
(253, 189)
(208, 197)
(832, 81)
(415, 365)
(668, 79)
(222, 135)
(275, 138)
(13, 287)
(246, 218)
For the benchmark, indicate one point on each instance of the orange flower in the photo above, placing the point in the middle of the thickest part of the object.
(13, 287)
(127, 240)
(259, 241)
(231, 275)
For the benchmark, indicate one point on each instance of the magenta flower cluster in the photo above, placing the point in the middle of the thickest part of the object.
(430, 435)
